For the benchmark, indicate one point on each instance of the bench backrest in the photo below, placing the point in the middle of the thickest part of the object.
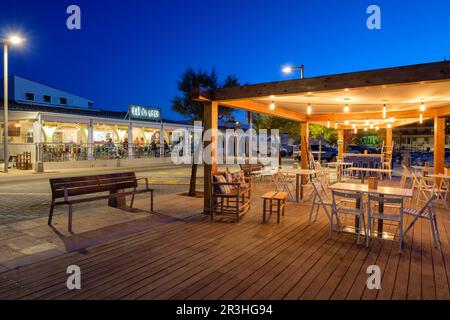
(92, 184)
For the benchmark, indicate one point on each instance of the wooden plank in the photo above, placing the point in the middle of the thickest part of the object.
(437, 71)
(439, 145)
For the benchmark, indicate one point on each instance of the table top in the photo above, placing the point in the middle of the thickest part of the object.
(364, 188)
(340, 163)
(369, 169)
(438, 175)
(275, 195)
(369, 155)
(305, 172)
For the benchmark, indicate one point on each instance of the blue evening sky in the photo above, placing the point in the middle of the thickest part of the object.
(134, 51)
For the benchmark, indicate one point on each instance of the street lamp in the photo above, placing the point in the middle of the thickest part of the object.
(13, 40)
(289, 70)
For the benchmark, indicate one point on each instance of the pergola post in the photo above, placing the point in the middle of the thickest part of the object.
(388, 139)
(304, 144)
(439, 145)
(340, 144)
(210, 122)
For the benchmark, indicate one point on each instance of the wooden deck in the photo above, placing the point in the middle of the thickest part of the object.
(199, 259)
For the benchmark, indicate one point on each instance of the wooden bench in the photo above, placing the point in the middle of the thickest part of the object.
(118, 185)
(271, 196)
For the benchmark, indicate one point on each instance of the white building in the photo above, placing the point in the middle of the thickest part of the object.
(64, 130)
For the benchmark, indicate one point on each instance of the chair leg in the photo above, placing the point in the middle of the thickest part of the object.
(312, 210)
(331, 225)
(368, 232)
(50, 214)
(317, 213)
(433, 231)
(359, 230)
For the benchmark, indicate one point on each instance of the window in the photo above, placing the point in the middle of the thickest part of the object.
(63, 100)
(29, 96)
(47, 99)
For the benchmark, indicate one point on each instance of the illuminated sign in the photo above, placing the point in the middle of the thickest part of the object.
(144, 113)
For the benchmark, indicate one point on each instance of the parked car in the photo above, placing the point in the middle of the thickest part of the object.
(328, 153)
(356, 148)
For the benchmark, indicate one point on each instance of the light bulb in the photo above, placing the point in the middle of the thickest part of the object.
(422, 107)
(384, 112)
(272, 106)
(421, 118)
(328, 124)
(346, 108)
(309, 109)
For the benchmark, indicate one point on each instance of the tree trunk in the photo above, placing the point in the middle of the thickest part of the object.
(193, 182)
(319, 158)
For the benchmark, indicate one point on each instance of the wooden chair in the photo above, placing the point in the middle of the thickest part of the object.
(374, 213)
(339, 207)
(234, 203)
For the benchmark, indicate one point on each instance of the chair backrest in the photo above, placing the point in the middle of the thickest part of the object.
(385, 200)
(428, 204)
(92, 184)
(347, 195)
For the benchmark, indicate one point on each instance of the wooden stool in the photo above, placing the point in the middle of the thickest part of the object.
(280, 201)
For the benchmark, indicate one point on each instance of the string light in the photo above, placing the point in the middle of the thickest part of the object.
(377, 128)
(309, 109)
(365, 129)
(328, 124)
(347, 122)
(354, 126)
(335, 126)
(421, 118)
(389, 125)
(422, 107)
(371, 126)
(384, 111)
(346, 108)
(355, 130)
(272, 106)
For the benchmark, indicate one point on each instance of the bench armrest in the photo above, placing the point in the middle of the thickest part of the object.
(146, 181)
(236, 184)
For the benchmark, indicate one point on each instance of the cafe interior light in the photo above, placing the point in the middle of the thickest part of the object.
(355, 130)
(371, 126)
(384, 111)
(346, 108)
(421, 118)
(389, 125)
(272, 106)
(422, 107)
(365, 129)
(309, 109)
(335, 126)
(328, 124)
(347, 122)
(377, 128)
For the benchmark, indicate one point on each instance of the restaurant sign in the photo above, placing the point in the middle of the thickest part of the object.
(144, 113)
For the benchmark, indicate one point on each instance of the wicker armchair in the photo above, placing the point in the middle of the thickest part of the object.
(234, 203)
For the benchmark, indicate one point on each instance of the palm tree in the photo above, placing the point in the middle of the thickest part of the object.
(193, 110)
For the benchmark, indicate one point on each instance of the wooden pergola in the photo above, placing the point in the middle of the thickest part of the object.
(402, 90)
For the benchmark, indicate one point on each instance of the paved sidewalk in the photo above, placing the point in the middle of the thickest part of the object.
(25, 242)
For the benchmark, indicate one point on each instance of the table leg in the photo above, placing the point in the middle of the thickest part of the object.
(357, 206)
(297, 188)
(264, 210)
(363, 176)
(380, 221)
(278, 211)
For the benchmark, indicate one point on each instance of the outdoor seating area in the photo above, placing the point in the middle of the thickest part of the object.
(196, 258)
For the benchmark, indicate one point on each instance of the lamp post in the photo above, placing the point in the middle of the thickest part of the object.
(13, 40)
(289, 70)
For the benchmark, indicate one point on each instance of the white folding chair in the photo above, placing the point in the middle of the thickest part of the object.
(320, 199)
(427, 212)
(338, 207)
(374, 213)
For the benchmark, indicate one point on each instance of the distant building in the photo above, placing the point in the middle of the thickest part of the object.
(29, 92)
(418, 137)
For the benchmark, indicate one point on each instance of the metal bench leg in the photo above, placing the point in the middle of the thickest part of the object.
(151, 201)
(50, 214)
(70, 218)
(132, 201)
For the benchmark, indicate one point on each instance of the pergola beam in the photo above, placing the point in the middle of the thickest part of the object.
(406, 114)
(420, 73)
(259, 107)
